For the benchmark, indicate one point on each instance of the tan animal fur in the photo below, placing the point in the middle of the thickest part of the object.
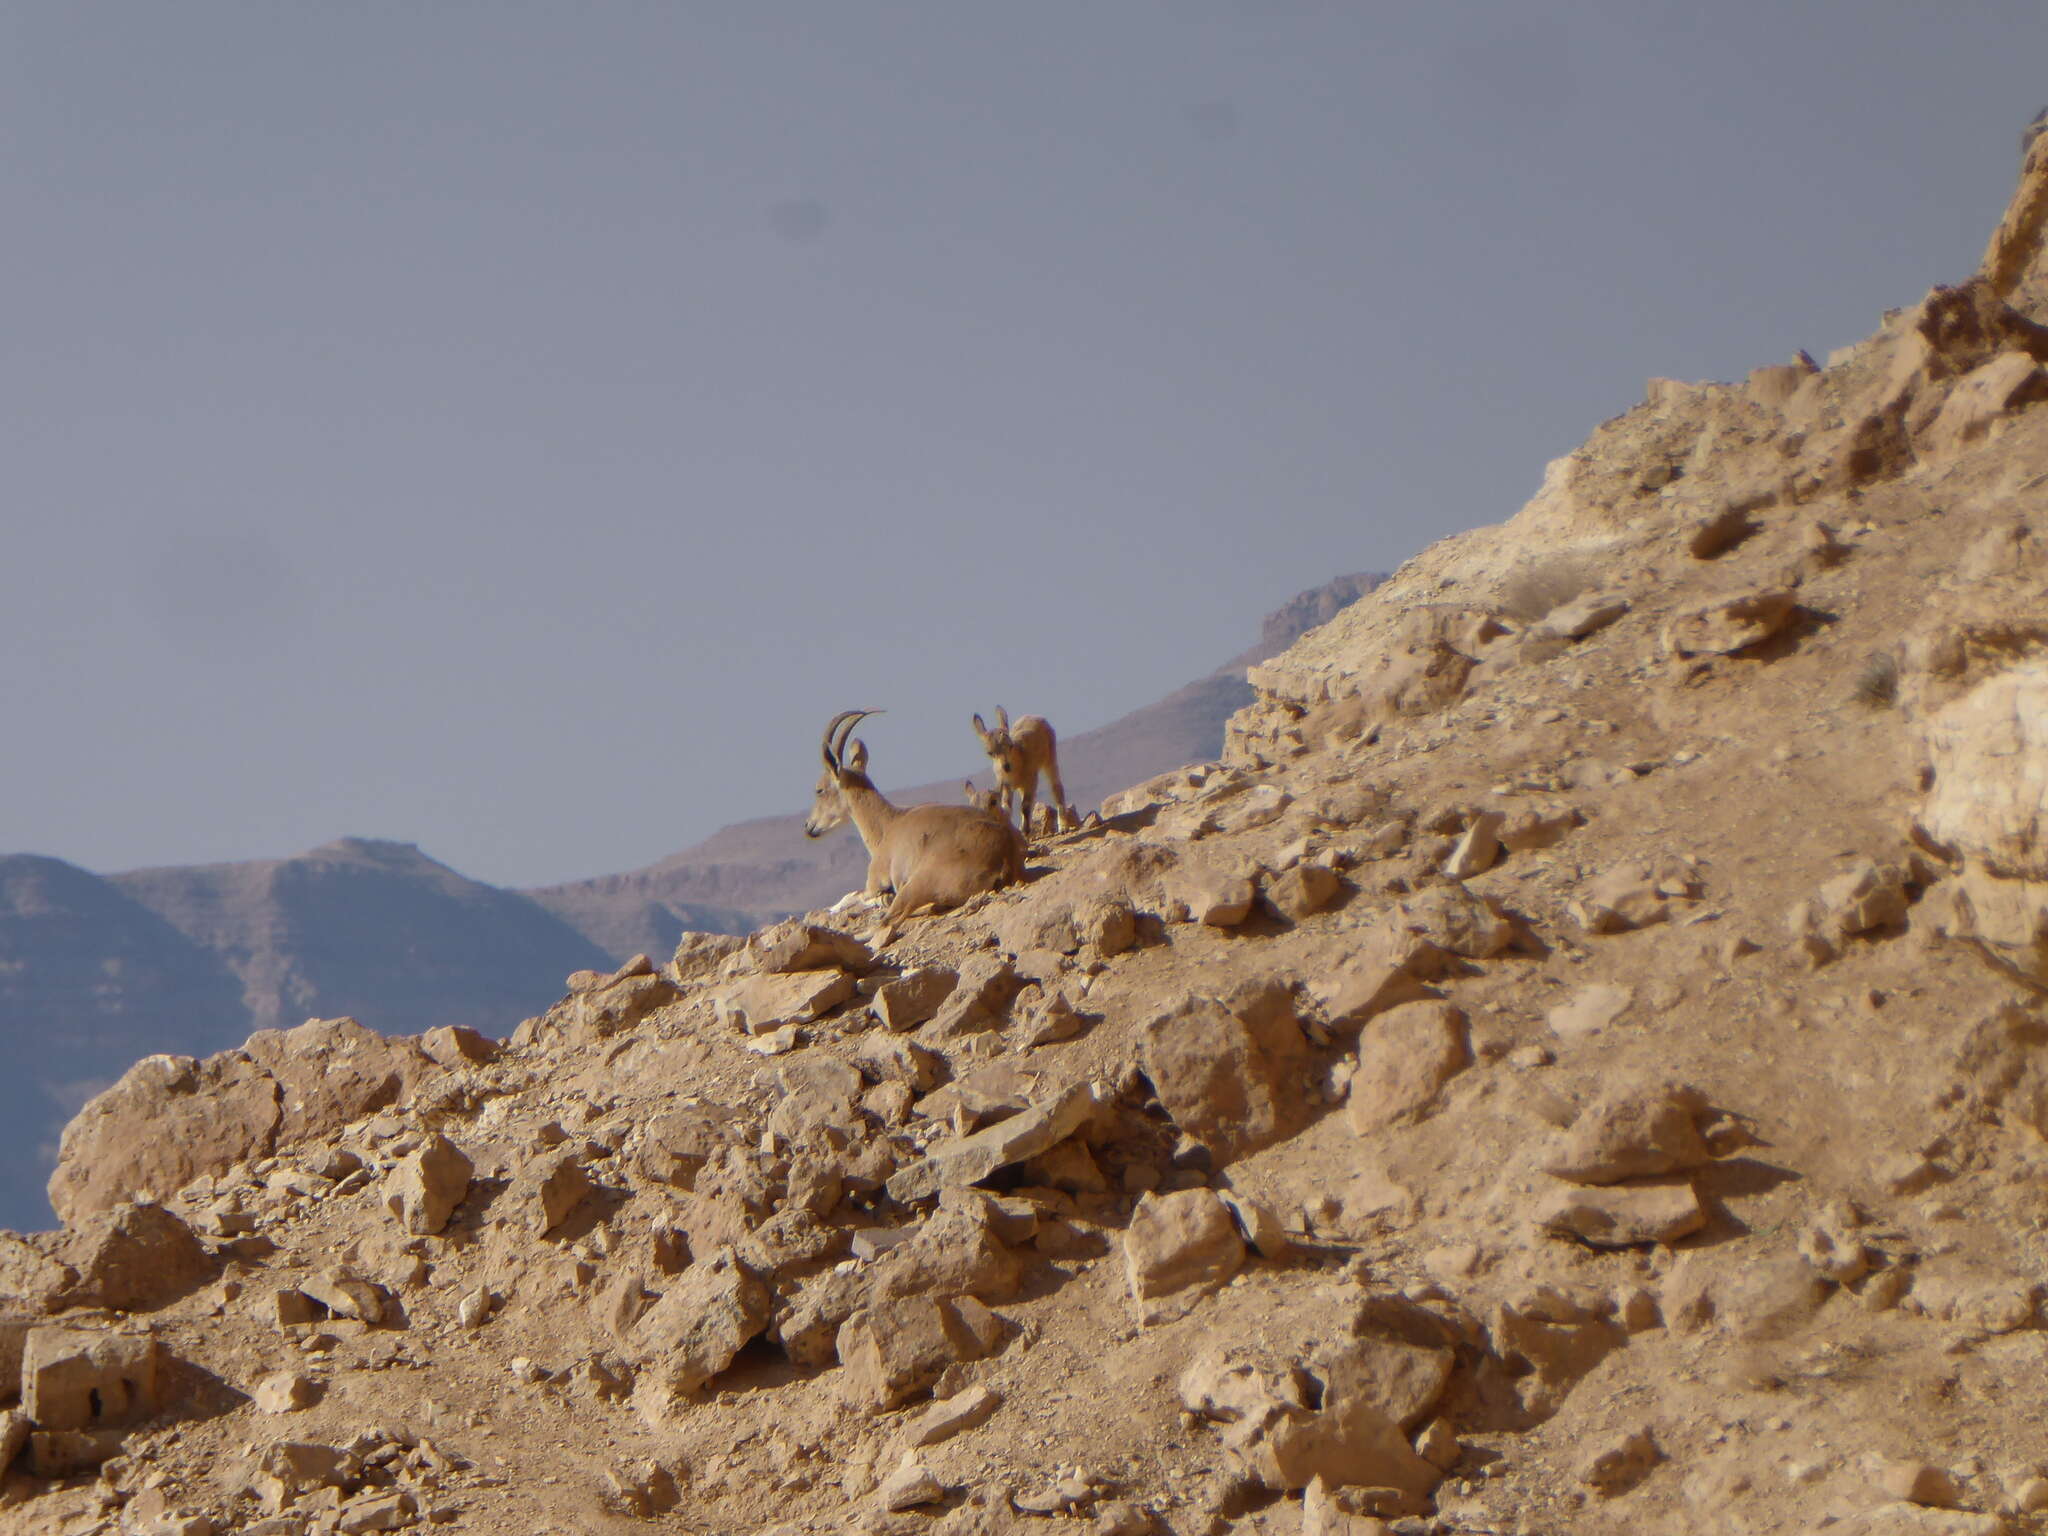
(1020, 753)
(934, 856)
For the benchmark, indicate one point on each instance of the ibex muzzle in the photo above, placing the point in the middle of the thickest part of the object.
(935, 856)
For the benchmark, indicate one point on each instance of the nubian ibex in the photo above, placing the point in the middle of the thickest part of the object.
(1019, 754)
(934, 856)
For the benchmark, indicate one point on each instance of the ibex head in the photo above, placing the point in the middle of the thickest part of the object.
(1000, 746)
(844, 769)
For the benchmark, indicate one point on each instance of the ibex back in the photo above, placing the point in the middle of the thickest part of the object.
(1019, 754)
(934, 856)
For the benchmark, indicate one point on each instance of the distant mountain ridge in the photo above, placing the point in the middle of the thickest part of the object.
(97, 971)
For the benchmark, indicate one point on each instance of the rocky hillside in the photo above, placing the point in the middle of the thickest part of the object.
(759, 871)
(1579, 1063)
(190, 959)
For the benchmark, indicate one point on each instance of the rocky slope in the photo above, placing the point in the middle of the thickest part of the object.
(1579, 1063)
(758, 871)
(189, 959)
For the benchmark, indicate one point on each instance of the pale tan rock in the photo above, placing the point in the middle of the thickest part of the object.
(973, 1158)
(78, 1378)
(950, 1416)
(1918, 1482)
(331, 1072)
(985, 986)
(800, 946)
(1200, 891)
(610, 1009)
(1632, 1133)
(1987, 753)
(283, 1392)
(425, 1188)
(1400, 1380)
(1634, 895)
(1732, 624)
(700, 956)
(896, 1349)
(1359, 980)
(475, 1308)
(1304, 890)
(1404, 1057)
(888, 1058)
(1327, 1511)
(1438, 1445)
(1345, 1442)
(456, 1046)
(168, 1120)
(1259, 1226)
(913, 997)
(692, 1333)
(1226, 1081)
(1619, 1464)
(1586, 614)
(14, 1431)
(1625, 1215)
(1478, 847)
(345, 1294)
(1177, 1250)
(1982, 399)
(1455, 920)
(911, 1486)
(760, 1005)
(1590, 1010)
(546, 1191)
(132, 1257)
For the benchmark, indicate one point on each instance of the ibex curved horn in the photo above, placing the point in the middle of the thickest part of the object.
(843, 722)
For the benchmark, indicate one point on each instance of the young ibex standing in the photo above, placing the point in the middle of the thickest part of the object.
(930, 855)
(1020, 753)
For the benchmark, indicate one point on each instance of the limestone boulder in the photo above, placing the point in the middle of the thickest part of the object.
(896, 1349)
(799, 946)
(759, 1005)
(83, 1378)
(1178, 1249)
(132, 1258)
(1353, 980)
(910, 999)
(696, 1328)
(1013, 1139)
(544, 1192)
(426, 1187)
(1633, 1133)
(168, 1120)
(333, 1071)
(1731, 624)
(1404, 1057)
(1987, 806)
(1625, 1215)
(1229, 1080)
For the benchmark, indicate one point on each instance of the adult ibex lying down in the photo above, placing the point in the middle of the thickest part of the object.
(1019, 754)
(930, 855)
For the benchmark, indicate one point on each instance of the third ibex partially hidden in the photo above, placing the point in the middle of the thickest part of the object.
(930, 855)
(1019, 754)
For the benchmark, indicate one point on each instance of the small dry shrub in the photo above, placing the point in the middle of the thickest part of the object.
(1877, 685)
(1545, 582)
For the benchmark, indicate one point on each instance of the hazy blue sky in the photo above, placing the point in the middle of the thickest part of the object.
(517, 428)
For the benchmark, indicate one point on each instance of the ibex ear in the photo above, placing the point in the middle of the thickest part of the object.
(857, 756)
(1002, 718)
(980, 729)
(973, 794)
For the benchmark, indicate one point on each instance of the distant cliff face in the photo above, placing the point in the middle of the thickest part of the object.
(756, 871)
